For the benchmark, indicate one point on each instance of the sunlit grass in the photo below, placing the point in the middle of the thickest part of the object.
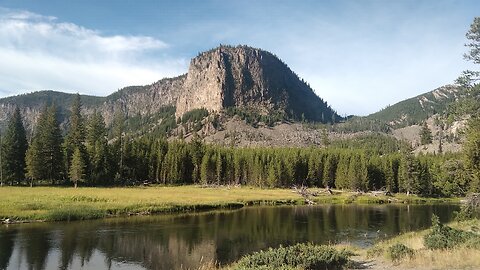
(57, 203)
(460, 257)
(53, 203)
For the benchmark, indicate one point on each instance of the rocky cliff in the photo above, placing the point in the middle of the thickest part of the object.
(239, 77)
(244, 77)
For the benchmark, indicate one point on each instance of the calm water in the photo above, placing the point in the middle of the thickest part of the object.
(183, 241)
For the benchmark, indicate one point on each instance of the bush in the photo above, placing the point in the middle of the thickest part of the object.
(442, 237)
(399, 251)
(299, 256)
(375, 251)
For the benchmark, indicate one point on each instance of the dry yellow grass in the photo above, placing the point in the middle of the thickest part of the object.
(53, 203)
(62, 203)
(456, 258)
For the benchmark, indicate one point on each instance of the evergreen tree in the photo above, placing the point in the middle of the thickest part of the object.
(408, 174)
(424, 178)
(51, 144)
(472, 152)
(45, 155)
(329, 170)
(196, 153)
(237, 167)
(207, 167)
(425, 134)
(77, 167)
(219, 167)
(390, 169)
(471, 77)
(342, 179)
(118, 145)
(324, 137)
(358, 173)
(14, 149)
(97, 149)
(34, 162)
(75, 137)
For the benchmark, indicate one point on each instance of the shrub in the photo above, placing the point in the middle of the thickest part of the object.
(399, 251)
(299, 256)
(375, 251)
(442, 237)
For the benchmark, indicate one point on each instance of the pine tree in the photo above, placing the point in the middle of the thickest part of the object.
(45, 155)
(408, 175)
(34, 162)
(206, 168)
(51, 144)
(118, 145)
(472, 153)
(14, 149)
(389, 167)
(354, 173)
(237, 167)
(77, 168)
(342, 179)
(75, 137)
(97, 149)
(272, 178)
(324, 137)
(329, 171)
(196, 153)
(425, 134)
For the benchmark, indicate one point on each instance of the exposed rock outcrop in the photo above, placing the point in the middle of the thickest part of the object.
(240, 77)
(245, 77)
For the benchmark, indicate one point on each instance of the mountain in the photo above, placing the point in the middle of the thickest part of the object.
(239, 79)
(249, 78)
(418, 109)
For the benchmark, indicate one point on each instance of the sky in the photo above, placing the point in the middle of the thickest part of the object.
(359, 55)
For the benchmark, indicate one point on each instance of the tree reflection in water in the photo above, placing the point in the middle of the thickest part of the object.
(184, 240)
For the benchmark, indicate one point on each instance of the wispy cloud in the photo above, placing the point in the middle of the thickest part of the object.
(40, 52)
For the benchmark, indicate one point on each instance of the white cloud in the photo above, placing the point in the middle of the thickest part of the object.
(39, 52)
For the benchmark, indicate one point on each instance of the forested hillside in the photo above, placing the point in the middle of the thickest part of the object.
(420, 108)
(84, 157)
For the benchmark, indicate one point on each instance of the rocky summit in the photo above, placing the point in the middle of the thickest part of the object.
(245, 77)
(238, 77)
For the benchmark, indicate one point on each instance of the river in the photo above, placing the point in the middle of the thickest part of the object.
(185, 241)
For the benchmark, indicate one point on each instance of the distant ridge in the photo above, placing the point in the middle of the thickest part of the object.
(417, 109)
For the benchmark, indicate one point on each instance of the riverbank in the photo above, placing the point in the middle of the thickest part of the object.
(458, 257)
(379, 257)
(24, 204)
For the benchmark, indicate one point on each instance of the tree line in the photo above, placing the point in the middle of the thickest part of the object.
(84, 156)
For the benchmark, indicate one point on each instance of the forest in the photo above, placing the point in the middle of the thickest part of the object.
(84, 156)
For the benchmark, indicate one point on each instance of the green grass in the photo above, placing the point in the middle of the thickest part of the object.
(57, 203)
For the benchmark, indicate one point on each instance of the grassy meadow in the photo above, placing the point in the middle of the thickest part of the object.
(57, 203)
(24, 204)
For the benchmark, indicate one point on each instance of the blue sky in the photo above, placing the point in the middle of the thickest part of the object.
(358, 55)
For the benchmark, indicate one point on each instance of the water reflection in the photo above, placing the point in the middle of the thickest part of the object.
(183, 241)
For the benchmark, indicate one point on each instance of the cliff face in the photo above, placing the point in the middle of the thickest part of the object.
(130, 101)
(240, 77)
(143, 100)
(249, 78)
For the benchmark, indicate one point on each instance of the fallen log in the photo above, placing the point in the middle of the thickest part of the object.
(305, 193)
